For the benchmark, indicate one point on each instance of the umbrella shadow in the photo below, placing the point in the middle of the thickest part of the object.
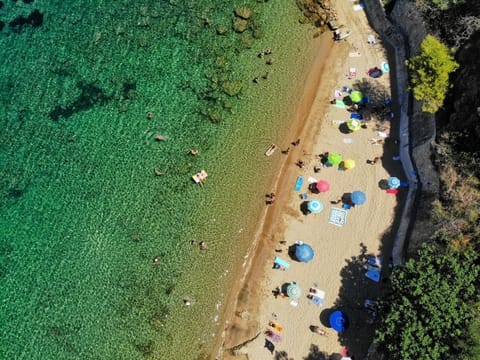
(383, 184)
(347, 100)
(313, 188)
(304, 208)
(291, 252)
(344, 128)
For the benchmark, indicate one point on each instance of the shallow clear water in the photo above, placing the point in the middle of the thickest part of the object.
(82, 213)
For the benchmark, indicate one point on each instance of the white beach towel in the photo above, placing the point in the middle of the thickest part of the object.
(358, 7)
(347, 140)
(337, 217)
(312, 180)
(354, 54)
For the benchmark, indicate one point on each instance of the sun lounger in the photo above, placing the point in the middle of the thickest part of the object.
(374, 261)
(281, 262)
(373, 275)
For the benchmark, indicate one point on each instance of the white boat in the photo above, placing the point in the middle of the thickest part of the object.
(271, 150)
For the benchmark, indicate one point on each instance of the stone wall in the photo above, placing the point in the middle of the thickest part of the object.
(402, 33)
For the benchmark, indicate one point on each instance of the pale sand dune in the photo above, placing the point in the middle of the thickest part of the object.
(337, 267)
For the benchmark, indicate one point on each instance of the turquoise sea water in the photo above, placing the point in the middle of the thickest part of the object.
(82, 213)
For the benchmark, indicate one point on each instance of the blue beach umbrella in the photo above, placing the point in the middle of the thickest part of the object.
(358, 197)
(393, 182)
(304, 253)
(338, 321)
(294, 291)
(314, 206)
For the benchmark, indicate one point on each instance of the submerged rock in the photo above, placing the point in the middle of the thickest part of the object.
(243, 12)
(240, 25)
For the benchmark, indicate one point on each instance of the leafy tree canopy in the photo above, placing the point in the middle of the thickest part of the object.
(430, 71)
(430, 304)
(443, 4)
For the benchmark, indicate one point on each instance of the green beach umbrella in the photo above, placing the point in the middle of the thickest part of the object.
(353, 125)
(334, 158)
(294, 291)
(356, 96)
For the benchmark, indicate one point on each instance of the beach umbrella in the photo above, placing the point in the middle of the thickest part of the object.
(323, 186)
(314, 206)
(294, 291)
(354, 125)
(348, 164)
(358, 197)
(356, 96)
(304, 252)
(334, 158)
(338, 321)
(393, 182)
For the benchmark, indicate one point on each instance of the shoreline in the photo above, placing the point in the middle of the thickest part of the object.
(253, 306)
(244, 298)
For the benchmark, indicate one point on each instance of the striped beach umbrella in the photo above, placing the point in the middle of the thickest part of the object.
(294, 291)
(393, 182)
(334, 158)
(354, 125)
(348, 164)
(314, 206)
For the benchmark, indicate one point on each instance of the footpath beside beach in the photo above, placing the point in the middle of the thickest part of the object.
(341, 250)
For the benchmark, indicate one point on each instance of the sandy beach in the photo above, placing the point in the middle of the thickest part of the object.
(340, 250)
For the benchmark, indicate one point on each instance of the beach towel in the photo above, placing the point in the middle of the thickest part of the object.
(356, 116)
(337, 217)
(365, 100)
(354, 54)
(281, 262)
(347, 140)
(299, 183)
(340, 104)
(352, 72)
(404, 184)
(385, 67)
(371, 39)
(338, 122)
(312, 180)
(392, 191)
(275, 326)
(358, 7)
(273, 336)
(337, 94)
(373, 275)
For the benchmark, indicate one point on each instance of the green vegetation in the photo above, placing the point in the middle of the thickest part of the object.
(431, 309)
(430, 71)
(430, 303)
(444, 4)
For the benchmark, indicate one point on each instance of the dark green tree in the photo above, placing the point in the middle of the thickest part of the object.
(430, 304)
(429, 73)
